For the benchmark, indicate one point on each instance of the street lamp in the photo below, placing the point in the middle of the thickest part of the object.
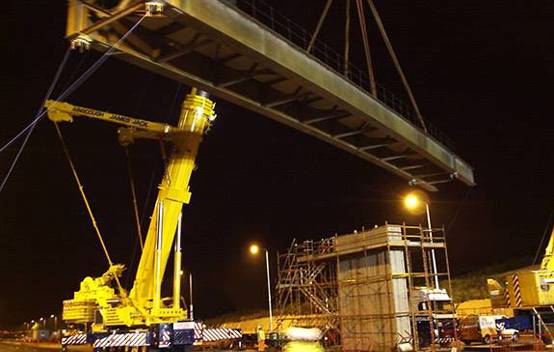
(53, 316)
(414, 202)
(255, 250)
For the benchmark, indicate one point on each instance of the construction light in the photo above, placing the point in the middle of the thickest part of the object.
(415, 202)
(411, 201)
(254, 249)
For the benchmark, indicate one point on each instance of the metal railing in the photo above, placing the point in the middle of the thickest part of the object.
(300, 37)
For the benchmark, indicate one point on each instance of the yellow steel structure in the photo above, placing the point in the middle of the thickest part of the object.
(528, 288)
(144, 304)
(535, 286)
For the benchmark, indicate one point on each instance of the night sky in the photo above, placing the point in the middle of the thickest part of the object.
(482, 71)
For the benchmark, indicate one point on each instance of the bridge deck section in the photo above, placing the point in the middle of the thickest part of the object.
(217, 47)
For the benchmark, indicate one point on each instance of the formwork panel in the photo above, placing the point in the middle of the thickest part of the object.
(374, 308)
(400, 295)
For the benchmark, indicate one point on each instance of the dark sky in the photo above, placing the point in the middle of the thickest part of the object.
(481, 70)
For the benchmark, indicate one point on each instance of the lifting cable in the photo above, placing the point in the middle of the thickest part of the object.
(347, 39)
(319, 24)
(67, 92)
(85, 200)
(163, 153)
(396, 62)
(365, 39)
(134, 198)
(33, 124)
(74, 86)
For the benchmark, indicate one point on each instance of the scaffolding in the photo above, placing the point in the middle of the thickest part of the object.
(372, 290)
(307, 287)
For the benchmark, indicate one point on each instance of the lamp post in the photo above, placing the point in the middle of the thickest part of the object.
(414, 201)
(55, 317)
(255, 250)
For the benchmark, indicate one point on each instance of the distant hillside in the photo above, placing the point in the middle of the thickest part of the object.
(474, 285)
(237, 316)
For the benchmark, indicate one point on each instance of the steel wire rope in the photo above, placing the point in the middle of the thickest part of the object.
(82, 60)
(132, 183)
(367, 49)
(69, 90)
(138, 219)
(151, 184)
(346, 63)
(42, 111)
(396, 62)
(38, 115)
(85, 200)
(31, 126)
(319, 24)
(134, 198)
(548, 221)
(78, 82)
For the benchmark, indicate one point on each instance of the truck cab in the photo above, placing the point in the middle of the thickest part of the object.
(435, 316)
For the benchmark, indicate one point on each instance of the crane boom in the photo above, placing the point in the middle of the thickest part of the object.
(196, 115)
(59, 111)
(144, 305)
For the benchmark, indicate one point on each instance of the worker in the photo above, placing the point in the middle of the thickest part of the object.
(261, 338)
(500, 326)
(303, 340)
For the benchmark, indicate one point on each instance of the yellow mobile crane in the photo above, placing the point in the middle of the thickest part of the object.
(530, 293)
(527, 288)
(161, 322)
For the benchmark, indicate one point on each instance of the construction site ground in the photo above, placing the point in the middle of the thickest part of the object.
(16, 346)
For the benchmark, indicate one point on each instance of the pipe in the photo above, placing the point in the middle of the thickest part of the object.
(177, 271)
(191, 308)
(269, 292)
(158, 259)
(433, 257)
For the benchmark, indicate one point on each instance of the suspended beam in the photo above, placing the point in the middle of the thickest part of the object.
(239, 42)
(332, 116)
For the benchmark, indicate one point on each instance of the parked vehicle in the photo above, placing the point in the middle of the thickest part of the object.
(486, 329)
(441, 328)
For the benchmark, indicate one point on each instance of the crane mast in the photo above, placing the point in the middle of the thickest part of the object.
(173, 193)
(144, 305)
(547, 263)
